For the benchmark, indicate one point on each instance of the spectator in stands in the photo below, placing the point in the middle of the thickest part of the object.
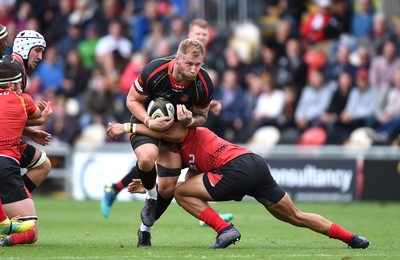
(268, 108)
(337, 104)
(313, 26)
(285, 122)
(291, 68)
(177, 33)
(314, 100)
(387, 113)
(230, 94)
(361, 22)
(338, 63)
(98, 101)
(341, 19)
(87, 46)
(359, 108)
(59, 21)
(384, 66)
(155, 41)
(70, 40)
(76, 76)
(50, 74)
(113, 41)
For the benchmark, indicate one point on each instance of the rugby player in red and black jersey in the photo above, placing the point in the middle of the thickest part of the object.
(181, 80)
(229, 172)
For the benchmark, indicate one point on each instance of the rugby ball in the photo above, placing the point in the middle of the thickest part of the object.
(159, 107)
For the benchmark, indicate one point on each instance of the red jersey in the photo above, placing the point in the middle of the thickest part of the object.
(204, 151)
(14, 112)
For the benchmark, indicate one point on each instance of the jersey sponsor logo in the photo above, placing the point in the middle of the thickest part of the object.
(179, 86)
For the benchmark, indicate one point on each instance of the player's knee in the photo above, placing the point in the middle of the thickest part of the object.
(146, 164)
(166, 191)
(46, 166)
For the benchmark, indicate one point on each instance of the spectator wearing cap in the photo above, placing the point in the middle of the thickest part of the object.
(359, 108)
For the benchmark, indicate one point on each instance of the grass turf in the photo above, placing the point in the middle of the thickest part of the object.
(77, 230)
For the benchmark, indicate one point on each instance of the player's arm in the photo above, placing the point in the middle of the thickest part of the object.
(134, 102)
(174, 134)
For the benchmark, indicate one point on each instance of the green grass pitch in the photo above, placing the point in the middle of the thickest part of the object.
(77, 230)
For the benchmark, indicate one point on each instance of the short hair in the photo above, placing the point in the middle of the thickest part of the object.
(198, 22)
(9, 72)
(191, 46)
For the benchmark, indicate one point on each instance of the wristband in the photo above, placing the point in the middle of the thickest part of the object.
(128, 127)
(145, 120)
(150, 124)
(133, 128)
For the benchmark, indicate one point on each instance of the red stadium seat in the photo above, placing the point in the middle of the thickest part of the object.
(314, 136)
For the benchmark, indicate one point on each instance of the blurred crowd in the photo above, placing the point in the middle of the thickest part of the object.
(314, 71)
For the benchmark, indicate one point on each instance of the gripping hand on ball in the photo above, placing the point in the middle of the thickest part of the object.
(160, 123)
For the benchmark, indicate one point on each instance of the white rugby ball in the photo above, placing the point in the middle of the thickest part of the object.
(159, 107)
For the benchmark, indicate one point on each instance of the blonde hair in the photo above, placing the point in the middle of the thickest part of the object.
(198, 22)
(191, 46)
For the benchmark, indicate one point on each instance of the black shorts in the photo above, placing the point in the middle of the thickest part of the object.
(27, 154)
(12, 187)
(138, 140)
(247, 174)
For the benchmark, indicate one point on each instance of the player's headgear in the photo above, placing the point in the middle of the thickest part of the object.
(9, 73)
(3, 32)
(25, 41)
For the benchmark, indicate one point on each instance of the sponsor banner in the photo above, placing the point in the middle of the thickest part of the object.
(381, 180)
(316, 179)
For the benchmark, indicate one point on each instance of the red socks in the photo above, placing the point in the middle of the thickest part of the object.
(119, 185)
(339, 233)
(24, 238)
(211, 218)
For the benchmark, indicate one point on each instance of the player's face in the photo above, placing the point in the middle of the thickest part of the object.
(188, 66)
(35, 56)
(200, 34)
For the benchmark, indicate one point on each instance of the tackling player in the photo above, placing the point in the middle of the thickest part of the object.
(229, 172)
(16, 108)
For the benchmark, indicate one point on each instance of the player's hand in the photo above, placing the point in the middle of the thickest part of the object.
(114, 130)
(41, 137)
(46, 109)
(160, 123)
(136, 186)
(215, 107)
(184, 115)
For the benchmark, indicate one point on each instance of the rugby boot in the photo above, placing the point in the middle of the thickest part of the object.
(109, 197)
(144, 239)
(15, 225)
(148, 213)
(358, 242)
(226, 237)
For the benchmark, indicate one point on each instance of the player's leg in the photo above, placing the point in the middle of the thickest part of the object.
(192, 196)
(225, 216)
(14, 225)
(285, 210)
(25, 210)
(168, 170)
(37, 164)
(16, 201)
(111, 190)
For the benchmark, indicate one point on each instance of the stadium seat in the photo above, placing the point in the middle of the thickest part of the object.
(266, 136)
(314, 136)
(359, 138)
